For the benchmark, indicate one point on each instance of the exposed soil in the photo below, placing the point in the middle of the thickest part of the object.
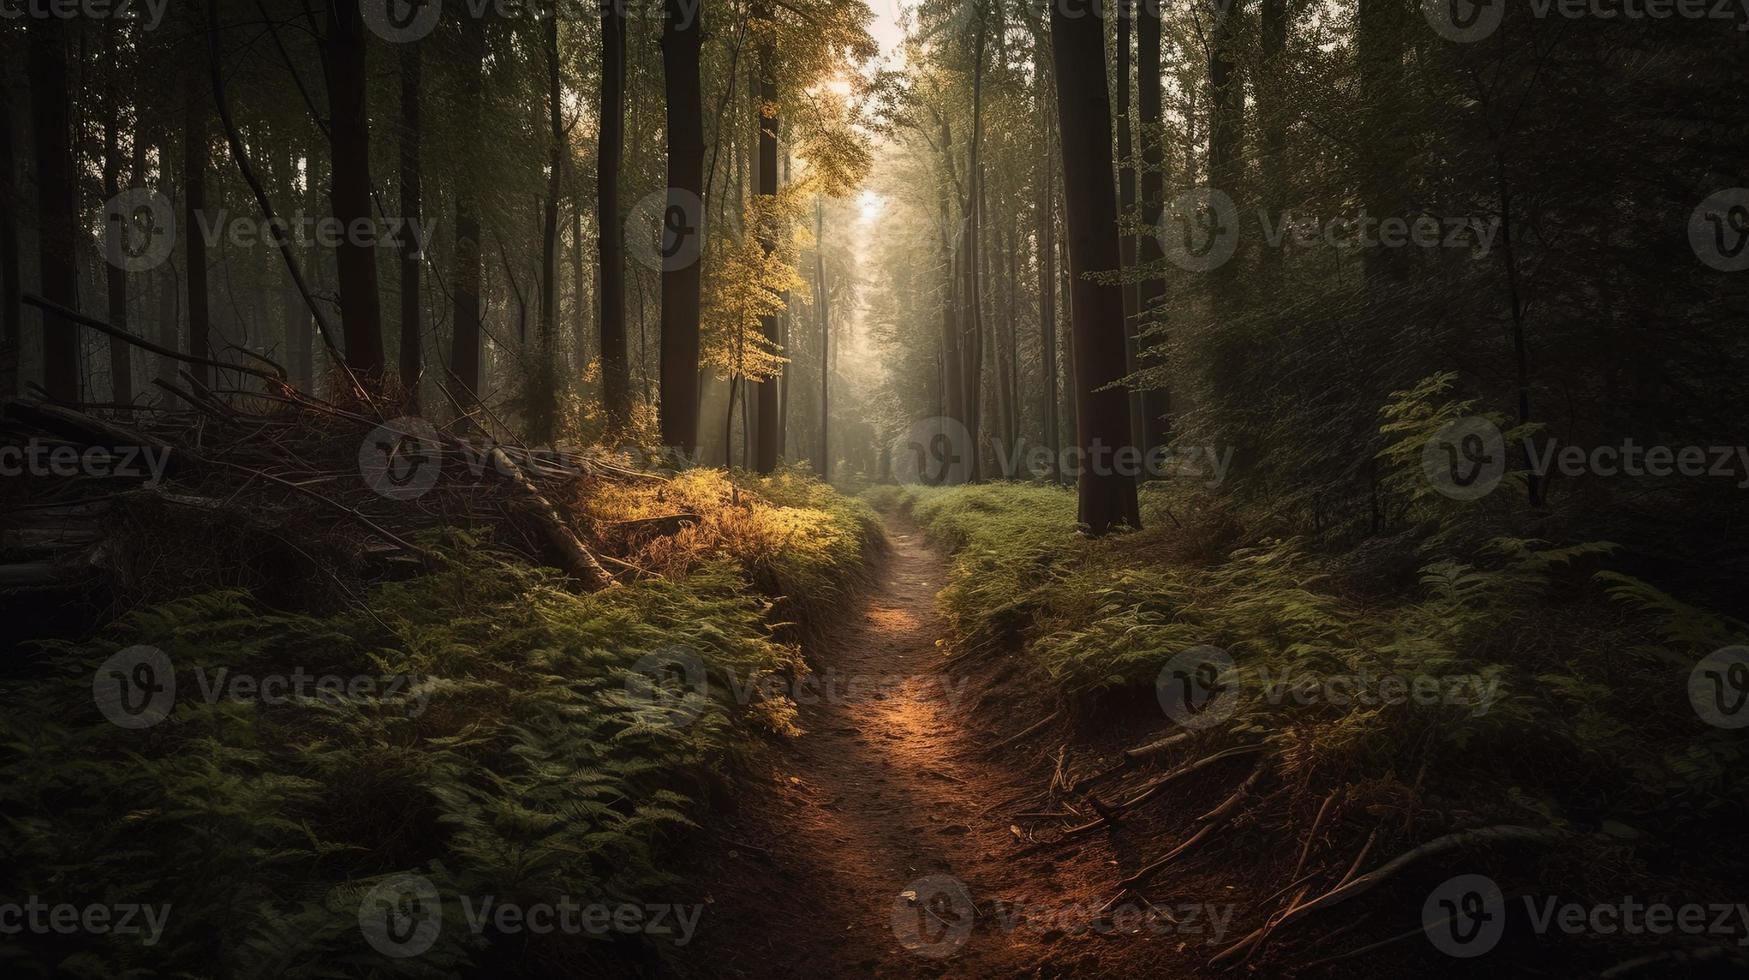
(885, 841)
(896, 787)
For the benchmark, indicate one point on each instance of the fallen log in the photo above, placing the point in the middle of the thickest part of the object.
(566, 549)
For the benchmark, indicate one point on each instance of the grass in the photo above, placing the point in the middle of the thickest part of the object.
(520, 757)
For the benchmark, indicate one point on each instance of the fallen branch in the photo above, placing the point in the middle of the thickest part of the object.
(1210, 821)
(86, 320)
(1030, 729)
(1376, 877)
(1312, 835)
(562, 542)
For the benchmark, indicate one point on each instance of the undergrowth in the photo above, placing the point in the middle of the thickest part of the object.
(1577, 714)
(506, 748)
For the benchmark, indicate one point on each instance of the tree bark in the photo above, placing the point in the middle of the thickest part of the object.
(681, 280)
(1047, 271)
(1107, 497)
(972, 308)
(412, 253)
(349, 144)
(825, 341)
(52, 129)
(1378, 32)
(1226, 116)
(464, 349)
(615, 376)
(953, 371)
(765, 443)
(1126, 206)
(121, 355)
(1151, 291)
(544, 405)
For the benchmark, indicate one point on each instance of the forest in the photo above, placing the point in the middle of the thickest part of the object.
(898, 488)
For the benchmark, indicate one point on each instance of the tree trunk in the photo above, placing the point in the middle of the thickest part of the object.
(1151, 291)
(464, 349)
(1225, 111)
(1378, 31)
(1126, 205)
(1107, 497)
(412, 253)
(1047, 272)
(784, 322)
(681, 266)
(195, 161)
(121, 353)
(349, 143)
(544, 405)
(825, 341)
(51, 124)
(953, 371)
(1272, 120)
(582, 298)
(765, 444)
(973, 309)
(615, 378)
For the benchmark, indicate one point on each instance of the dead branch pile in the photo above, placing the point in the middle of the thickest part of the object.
(246, 488)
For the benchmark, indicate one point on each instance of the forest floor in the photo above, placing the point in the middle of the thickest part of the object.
(878, 842)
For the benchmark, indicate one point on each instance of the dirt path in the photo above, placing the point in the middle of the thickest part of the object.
(889, 791)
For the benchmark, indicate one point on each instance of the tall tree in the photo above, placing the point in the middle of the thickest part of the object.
(196, 157)
(1379, 40)
(349, 145)
(1151, 291)
(615, 377)
(825, 339)
(681, 271)
(1107, 496)
(1226, 118)
(765, 442)
(412, 251)
(953, 370)
(464, 350)
(57, 224)
(121, 354)
(544, 403)
(1126, 203)
(971, 306)
(1047, 273)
